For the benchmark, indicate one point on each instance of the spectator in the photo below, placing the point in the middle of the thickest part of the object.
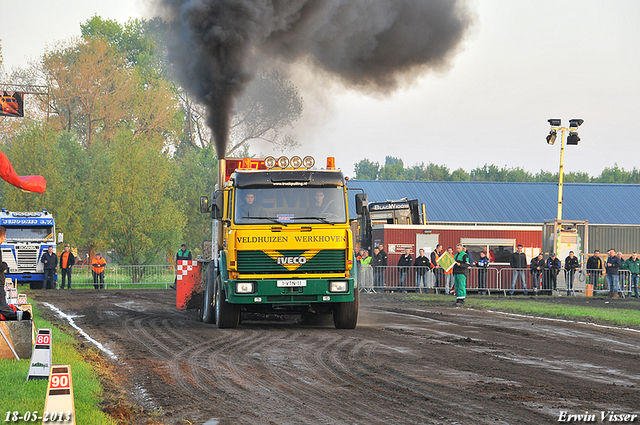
(594, 270)
(537, 266)
(50, 261)
(519, 264)
(623, 271)
(422, 265)
(404, 263)
(551, 272)
(365, 264)
(448, 276)
(571, 266)
(67, 260)
(612, 266)
(97, 270)
(379, 265)
(461, 271)
(182, 255)
(437, 270)
(483, 265)
(633, 264)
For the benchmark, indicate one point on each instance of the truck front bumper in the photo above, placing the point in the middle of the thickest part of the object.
(268, 291)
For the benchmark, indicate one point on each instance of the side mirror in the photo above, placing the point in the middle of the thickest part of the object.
(204, 204)
(362, 201)
(218, 207)
(60, 237)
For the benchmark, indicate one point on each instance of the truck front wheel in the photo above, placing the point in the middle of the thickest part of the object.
(345, 315)
(208, 312)
(227, 314)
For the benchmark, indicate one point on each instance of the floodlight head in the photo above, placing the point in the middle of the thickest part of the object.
(573, 138)
(551, 138)
(555, 122)
(576, 122)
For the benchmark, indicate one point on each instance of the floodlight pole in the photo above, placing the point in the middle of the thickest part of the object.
(561, 172)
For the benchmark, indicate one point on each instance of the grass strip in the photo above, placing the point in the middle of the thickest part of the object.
(22, 396)
(610, 316)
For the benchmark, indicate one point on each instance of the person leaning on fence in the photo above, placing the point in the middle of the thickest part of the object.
(595, 267)
(437, 270)
(622, 273)
(633, 265)
(421, 265)
(67, 260)
(536, 267)
(97, 270)
(482, 264)
(404, 263)
(519, 264)
(460, 273)
(379, 263)
(551, 272)
(612, 265)
(50, 261)
(571, 266)
(181, 255)
(365, 265)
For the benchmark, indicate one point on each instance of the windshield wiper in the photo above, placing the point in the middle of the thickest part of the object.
(275, 220)
(322, 219)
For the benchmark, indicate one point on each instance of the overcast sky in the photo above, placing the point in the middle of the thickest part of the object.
(522, 63)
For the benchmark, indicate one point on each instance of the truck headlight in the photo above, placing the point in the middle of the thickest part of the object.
(244, 287)
(338, 286)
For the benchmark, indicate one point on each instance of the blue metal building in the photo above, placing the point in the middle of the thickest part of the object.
(513, 203)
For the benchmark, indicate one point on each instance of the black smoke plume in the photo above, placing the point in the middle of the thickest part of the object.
(372, 45)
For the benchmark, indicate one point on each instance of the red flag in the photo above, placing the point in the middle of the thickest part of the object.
(28, 183)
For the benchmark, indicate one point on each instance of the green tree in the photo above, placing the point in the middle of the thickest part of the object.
(393, 169)
(132, 198)
(460, 175)
(367, 170)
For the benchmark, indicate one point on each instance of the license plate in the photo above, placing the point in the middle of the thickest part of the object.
(291, 283)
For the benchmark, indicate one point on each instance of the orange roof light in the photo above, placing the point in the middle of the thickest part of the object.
(331, 163)
(246, 163)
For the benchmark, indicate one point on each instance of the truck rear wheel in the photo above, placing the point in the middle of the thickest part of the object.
(345, 315)
(207, 313)
(227, 314)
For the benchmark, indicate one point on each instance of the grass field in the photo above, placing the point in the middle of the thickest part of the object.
(570, 308)
(21, 396)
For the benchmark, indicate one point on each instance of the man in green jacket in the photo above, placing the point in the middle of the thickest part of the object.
(633, 264)
(460, 273)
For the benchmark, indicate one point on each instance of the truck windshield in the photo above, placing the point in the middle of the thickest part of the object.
(31, 234)
(290, 205)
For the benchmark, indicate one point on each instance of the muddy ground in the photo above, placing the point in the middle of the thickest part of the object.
(407, 362)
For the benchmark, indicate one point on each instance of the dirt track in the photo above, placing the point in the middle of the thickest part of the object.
(405, 363)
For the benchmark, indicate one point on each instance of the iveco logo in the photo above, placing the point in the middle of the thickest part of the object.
(291, 260)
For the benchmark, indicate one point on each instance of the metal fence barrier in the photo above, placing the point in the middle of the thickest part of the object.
(484, 281)
(140, 276)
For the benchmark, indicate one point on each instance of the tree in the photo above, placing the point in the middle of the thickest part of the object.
(367, 170)
(460, 175)
(133, 197)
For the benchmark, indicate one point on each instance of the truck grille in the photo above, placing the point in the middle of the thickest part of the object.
(27, 257)
(258, 262)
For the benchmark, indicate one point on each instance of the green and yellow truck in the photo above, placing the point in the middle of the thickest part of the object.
(281, 243)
